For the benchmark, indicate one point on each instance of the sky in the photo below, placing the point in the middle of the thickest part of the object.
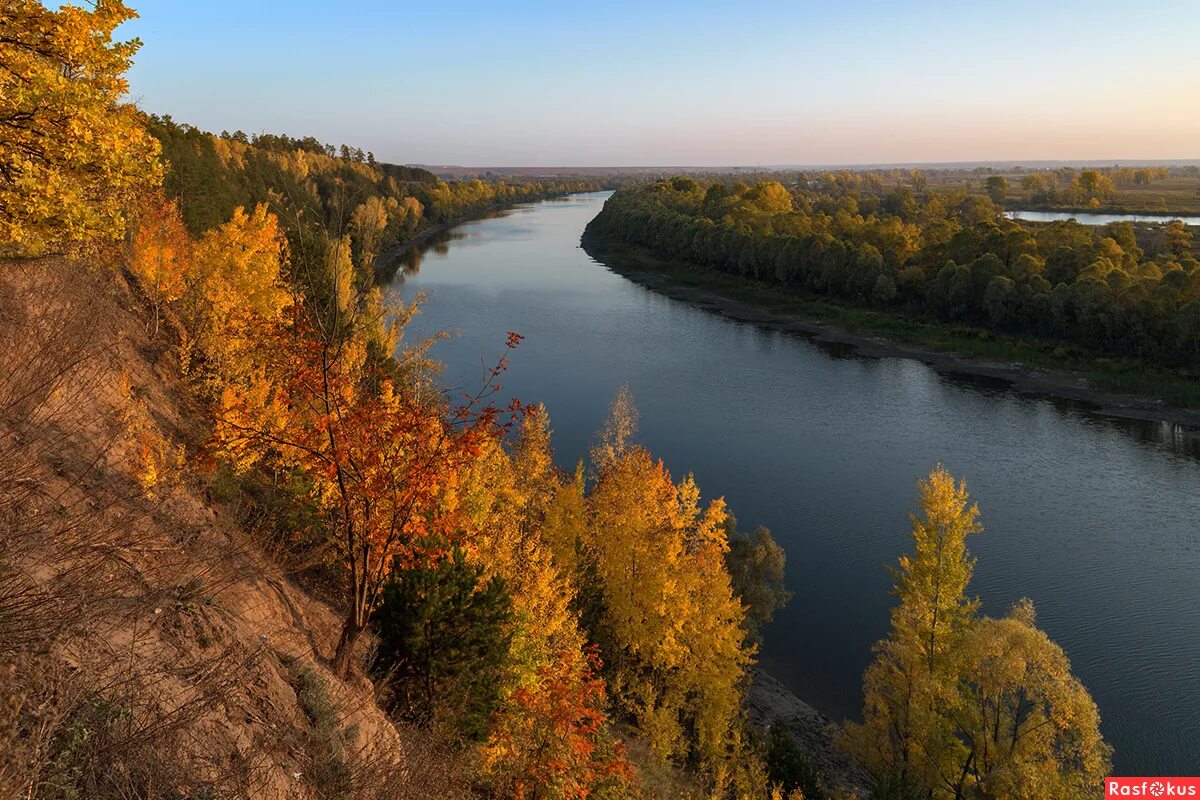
(736, 83)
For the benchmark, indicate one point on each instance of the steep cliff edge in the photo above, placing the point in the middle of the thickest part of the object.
(147, 644)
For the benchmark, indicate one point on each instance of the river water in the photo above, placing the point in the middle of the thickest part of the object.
(1096, 519)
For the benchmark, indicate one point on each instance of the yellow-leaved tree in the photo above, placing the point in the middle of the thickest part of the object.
(236, 292)
(549, 737)
(905, 740)
(161, 252)
(672, 632)
(72, 153)
(1030, 727)
(958, 706)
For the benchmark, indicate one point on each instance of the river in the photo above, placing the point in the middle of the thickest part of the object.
(1095, 519)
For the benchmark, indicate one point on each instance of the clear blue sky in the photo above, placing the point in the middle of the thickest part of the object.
(686, 83)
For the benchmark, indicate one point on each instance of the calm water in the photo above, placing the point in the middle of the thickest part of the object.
(1095, 519)
(1096, 219)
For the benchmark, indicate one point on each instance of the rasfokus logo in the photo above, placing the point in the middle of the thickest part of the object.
(1151, 787)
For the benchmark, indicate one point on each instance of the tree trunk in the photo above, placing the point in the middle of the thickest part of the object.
(344, 655)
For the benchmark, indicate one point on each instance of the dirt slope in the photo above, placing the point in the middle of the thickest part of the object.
(147, 645)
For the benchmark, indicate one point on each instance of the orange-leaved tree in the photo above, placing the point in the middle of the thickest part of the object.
(385, 461)
(549, 737)
(553, 741)
(161, 252)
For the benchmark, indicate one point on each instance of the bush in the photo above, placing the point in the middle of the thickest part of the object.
(787, 767)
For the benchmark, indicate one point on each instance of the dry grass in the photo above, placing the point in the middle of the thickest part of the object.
(148, 647)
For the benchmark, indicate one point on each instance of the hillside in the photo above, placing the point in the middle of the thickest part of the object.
(160, 650)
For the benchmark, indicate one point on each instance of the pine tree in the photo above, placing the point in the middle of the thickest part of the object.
(444, 632)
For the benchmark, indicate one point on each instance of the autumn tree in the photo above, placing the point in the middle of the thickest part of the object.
(904, 740)
(1028, 726)
(72, 153)
(956, 706)
(1178, 237)
(236, 293)
(385, 462)
(676, 654)
(554, 744)
(550, 735)
(160, 254)
(368, 223)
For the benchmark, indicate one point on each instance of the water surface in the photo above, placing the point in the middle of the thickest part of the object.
(1095, 519)
(1096, 219)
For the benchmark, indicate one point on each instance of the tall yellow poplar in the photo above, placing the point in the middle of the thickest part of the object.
(904, 739)
(677, 652)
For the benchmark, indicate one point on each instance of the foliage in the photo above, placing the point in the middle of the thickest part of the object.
(1112, 289)
(787, 767)
(443, 641)
(385, 461)
(756, 565)
(553, 744)
(1032, 728)
(675, 648)
(967, 707)
(160, 254)
(521, 511)
(72, 154)
(323, 193)
(235, 293)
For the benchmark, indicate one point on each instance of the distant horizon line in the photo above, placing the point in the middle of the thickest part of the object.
(1011, 162)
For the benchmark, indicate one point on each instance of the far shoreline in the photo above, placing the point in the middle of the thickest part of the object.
(656, 274)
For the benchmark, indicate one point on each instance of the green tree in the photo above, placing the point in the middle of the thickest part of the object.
(756, 566)
(997, 188)
(444, 634)
(786, 766)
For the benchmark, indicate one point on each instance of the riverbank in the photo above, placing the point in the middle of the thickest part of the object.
(1113, 387)
(390, 260)
(769, 702)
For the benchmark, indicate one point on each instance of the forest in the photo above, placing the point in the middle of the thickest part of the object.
(585, 633)
(1116, 289)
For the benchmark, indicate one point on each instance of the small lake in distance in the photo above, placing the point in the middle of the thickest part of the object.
(1096, 219)
(1096, 519)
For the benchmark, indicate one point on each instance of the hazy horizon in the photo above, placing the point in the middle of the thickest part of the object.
(690, 84)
